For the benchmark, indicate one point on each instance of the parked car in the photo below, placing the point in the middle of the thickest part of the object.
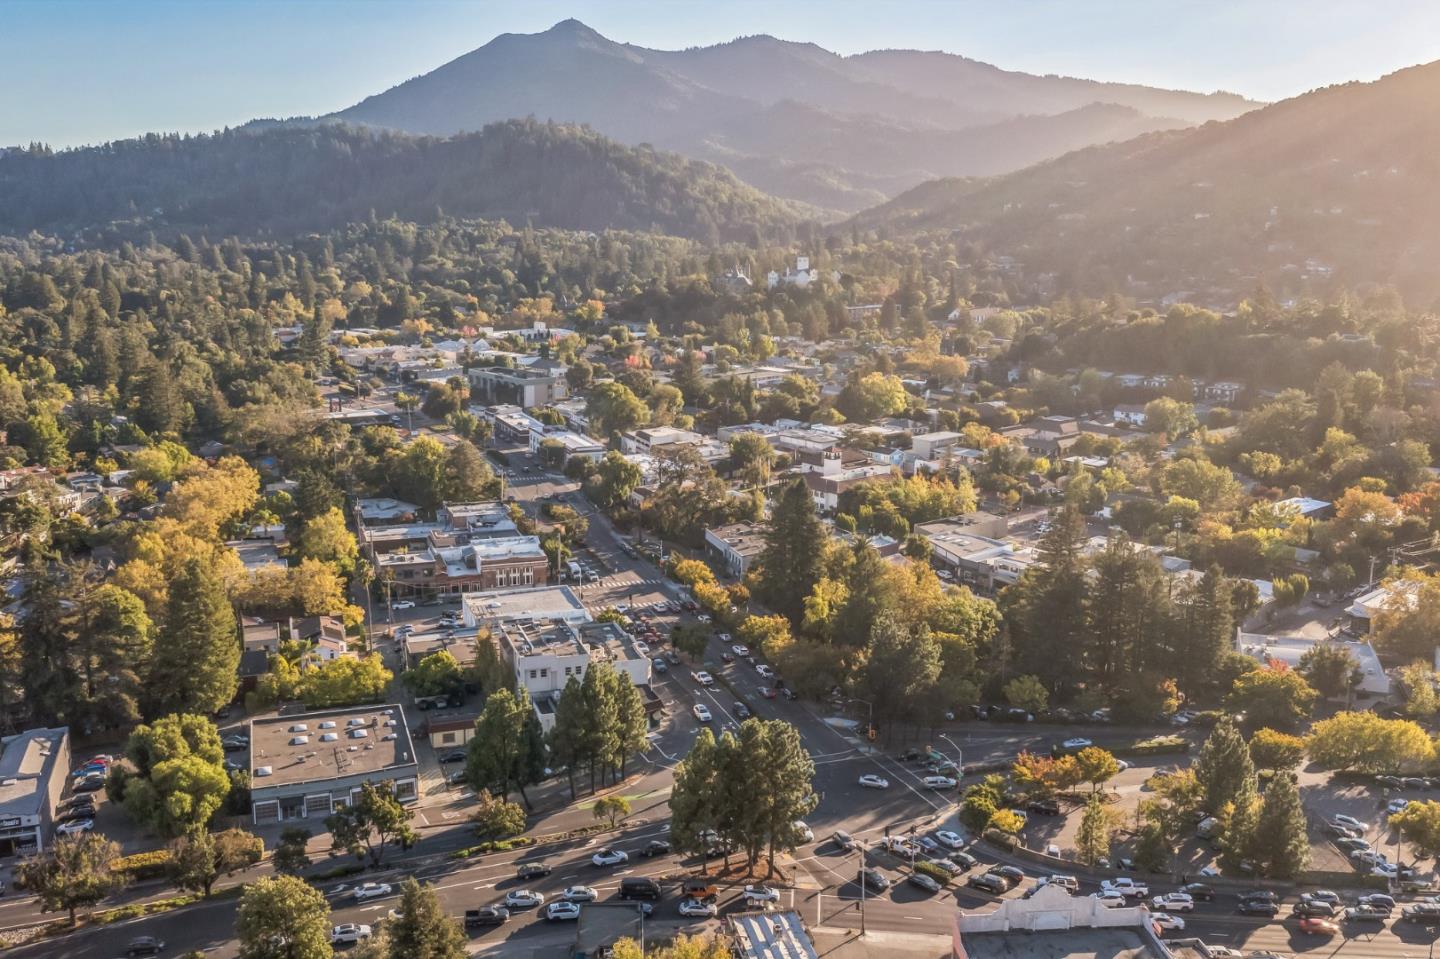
(562, 912)
(922, 881)
(349, 933)
(948, 839)
(89, 784)
(1013, 875)
(524, 899)
(873, 880)
(702, 712)
(1126, 887)
(1173, 902)
(1043, 807)
(1258, 907)
(1426, 912)
(754, 894)
(371, 890)
(698, 909)
(1366, 914)
(843, 839)
(1350, 821)
(75, 827)
(988, 882)
(486, 916)
(1379, 900)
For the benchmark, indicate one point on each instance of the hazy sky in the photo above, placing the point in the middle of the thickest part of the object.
(84, 71)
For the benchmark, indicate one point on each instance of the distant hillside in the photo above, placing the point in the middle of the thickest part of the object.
(1338, 186)
(286, 179)
(792, 118)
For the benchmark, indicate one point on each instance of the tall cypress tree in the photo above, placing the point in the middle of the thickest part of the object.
(1223, 767)
(1280, 846)
(794, 547)
(422, 930)
(1208, 628)
(194, 667)
(569, 734)
(695, 797)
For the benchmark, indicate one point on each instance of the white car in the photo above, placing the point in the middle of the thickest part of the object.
(348, 933)
(402, 604)
(1385, 870)
(702, 712)
(579, 894)
(1110, 900)
(1396, 805)
(610, 857)
(524, 899)
(740, 649)
(703, 678)
(765, 671)
(872, 781)
(1079, 742)
(1167, 922)
(948, 839)
(940, 782)
(1173, 902)
(725, 638)
(694, 908)
(761, 894)
(1350, 821)
(75, 827)
(1125, 886)
(562, 911)
(805, 833)
(372, 890)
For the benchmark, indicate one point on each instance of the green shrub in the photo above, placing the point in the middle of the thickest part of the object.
(144, 865)
(1154, 746)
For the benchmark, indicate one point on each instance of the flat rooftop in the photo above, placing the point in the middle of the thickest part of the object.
(747, 539)
(328, 744)
(540, 602)
(1116, 943)
(27, 764)
(771, 935)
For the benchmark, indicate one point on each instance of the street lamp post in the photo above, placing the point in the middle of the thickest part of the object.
(959, 756)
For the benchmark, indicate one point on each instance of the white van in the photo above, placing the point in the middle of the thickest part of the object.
(572, 568)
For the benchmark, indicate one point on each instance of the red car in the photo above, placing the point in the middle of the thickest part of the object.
(1316, 926)
(768, 692)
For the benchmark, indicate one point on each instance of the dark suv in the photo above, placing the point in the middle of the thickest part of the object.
(872, 880)
(532, 870)
(145, 946)
(988, 882)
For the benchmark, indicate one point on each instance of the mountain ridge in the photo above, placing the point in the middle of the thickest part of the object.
(699, 100)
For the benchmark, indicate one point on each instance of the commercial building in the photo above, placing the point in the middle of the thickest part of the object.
(736, 545)
(33, 768)
(523, 386)
(1053, 924)
(307, 765)
(547, 654)
(512, 605)
(484, 564)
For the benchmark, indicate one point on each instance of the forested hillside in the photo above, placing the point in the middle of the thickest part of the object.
(1341, 186)
(288, 179)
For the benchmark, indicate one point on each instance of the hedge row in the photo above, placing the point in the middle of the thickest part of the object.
(144, 865)
(941, 876)
(1154, 746)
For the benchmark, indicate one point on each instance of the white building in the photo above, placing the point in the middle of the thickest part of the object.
(546, 655)
(34, 766)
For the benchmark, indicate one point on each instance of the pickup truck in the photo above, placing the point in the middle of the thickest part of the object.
(1126, 887)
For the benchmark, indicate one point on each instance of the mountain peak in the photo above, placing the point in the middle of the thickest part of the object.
(571, 27)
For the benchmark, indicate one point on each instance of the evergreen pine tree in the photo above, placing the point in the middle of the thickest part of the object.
(196, 657)
(694, 797)
(423, 930)
(1223, 766)
(794, 547)
(1280, 846)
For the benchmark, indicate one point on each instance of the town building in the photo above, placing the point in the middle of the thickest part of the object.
(306, 765)
(1053, 924)
(480, 565)
(525, 387)
(546, 654)
(34, 768)
(736, 545)
(490, 610)
(1266, 648)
